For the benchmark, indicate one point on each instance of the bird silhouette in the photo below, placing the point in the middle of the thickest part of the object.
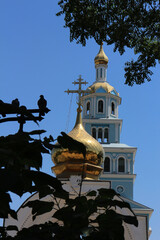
(15, 102)
(24, 112)
(73, 145)
(2, 109)
(7, 108)
(42, 104)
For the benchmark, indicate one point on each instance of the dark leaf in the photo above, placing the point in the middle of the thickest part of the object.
(35, 132)
(73, 145)
(39, 207)
(12, 228)
(92, 194)
(45, 190)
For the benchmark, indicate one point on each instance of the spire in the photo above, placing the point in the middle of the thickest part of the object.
(101, 63)
(79, 117)
(101, 57)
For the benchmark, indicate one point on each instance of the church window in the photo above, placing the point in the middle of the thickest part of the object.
(121, 164)
(107, 164)
(97, 73)
(94, 132)
(106, 135)
(100, 134)
(88, 107)
(100, 106)
(113, 108)
(101, 72)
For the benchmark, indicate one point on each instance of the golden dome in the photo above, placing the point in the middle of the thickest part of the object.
(101, 57)
(105, 85)
(69, 163)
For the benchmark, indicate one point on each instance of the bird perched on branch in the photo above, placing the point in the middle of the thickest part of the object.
(15, 102)
(7, 108)
(2, 109)
(24, 112)
(68, 142)
(42, 104)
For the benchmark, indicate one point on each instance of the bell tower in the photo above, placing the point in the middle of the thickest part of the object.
(100, 119)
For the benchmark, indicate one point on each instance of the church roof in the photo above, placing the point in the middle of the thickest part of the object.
(79, 133)
(117, 145)
(99, 86)
(138, 206)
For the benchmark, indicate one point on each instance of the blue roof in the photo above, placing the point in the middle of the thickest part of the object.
(116, 145)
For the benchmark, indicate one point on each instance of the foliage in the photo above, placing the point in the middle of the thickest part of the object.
(19, 153)
(84, 217)
(130, 24)
(87, 217)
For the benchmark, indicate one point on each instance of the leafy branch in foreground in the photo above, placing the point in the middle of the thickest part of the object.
(126, 24)
(88, 217)
(84, 217)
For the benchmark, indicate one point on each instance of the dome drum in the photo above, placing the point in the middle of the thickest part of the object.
(64, 155)
(70, 168)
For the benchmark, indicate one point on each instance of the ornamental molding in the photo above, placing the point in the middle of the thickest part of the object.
(102, 120)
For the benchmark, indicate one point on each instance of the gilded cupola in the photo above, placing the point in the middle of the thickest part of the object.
(101, 57)
(68, 163)
(71, 162)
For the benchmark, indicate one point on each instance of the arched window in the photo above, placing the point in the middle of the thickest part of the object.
(100, 134)
(100, 106)
(113, 108)
(106, 135)
(88, 108)
(94, 132)
(121, 164)
(101, 72)
(107, 164)
(97, 73)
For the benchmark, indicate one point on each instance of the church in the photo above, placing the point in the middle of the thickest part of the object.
(109, 163)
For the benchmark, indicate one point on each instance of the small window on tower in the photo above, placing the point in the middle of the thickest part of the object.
(121, 165)
(106, 135)
(88, 108)
(94, 132)
(101, 72)
(100, 106)
(97, 73)
(100, 135)
(113, 108)
(107, 164)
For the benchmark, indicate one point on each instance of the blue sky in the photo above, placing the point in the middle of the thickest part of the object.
(36, 57)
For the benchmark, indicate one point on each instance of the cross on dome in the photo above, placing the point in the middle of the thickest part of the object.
(79, 90)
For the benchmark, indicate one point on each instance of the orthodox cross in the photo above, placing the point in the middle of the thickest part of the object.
(79, 91)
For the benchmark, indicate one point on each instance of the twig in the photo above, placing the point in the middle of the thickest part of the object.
(82, 176)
